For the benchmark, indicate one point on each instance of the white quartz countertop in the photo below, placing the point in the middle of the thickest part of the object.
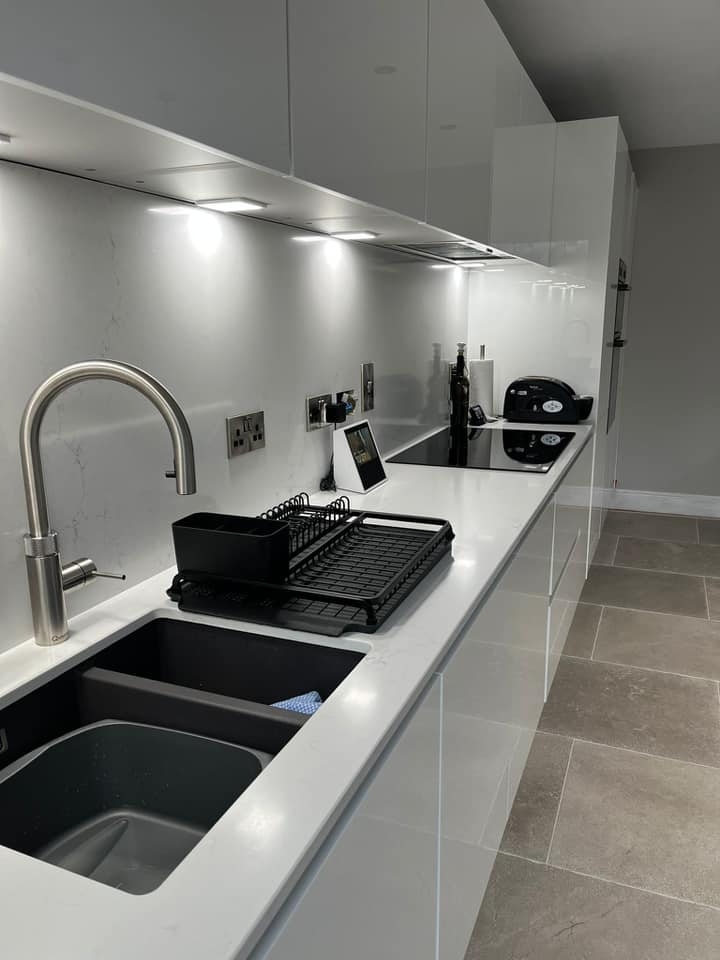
(219, 900)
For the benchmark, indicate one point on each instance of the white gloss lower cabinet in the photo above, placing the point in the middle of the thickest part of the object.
(570, 554)
(374, 895)
(493, 692)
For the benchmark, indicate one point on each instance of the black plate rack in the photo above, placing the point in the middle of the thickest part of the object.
(349, 570)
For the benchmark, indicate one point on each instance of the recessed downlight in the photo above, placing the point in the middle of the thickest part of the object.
(355, 235)
(308, 238)
(233, 204)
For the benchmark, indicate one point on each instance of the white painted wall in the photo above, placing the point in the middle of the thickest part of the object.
(670, 442)
(233, 315)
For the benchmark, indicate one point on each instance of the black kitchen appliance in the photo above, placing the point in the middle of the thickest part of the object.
(544, 400)
(528, 451)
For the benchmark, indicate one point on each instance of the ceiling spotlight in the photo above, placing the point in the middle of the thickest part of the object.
(233, 205)
(308, 238)
(355, 235)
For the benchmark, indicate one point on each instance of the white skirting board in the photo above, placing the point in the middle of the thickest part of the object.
(681, 504)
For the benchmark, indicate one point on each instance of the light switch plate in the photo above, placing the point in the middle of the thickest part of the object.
(245, 433)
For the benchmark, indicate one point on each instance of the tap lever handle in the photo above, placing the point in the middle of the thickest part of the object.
(111, 576)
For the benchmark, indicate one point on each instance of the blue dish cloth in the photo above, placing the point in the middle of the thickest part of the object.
(306, 703)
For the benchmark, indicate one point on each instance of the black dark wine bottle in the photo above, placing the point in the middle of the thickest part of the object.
(459, 392)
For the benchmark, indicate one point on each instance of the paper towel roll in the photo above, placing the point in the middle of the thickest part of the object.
(481, 384)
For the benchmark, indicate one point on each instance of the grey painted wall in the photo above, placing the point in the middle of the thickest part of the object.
(234, 315)
(670, 406)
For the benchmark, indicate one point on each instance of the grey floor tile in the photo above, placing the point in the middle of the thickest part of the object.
(532, 817)
(646, 590)
(660, 641)
(713, 598)
(652, 526)
(656, 713)
(643, 821)
(534, 912)
(606, 548)
(700, 559)
(581, 636)
(709, 530)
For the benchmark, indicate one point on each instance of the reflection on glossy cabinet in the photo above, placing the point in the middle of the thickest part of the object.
(493, 691)
(358, 75)
(461, 116)
(375, 892)
(194, 69)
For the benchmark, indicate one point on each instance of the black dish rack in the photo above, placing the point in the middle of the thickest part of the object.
(348, 570)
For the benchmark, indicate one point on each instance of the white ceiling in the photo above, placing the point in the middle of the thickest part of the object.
(653, 63)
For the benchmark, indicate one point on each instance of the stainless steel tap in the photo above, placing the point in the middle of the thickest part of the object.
(48, 579)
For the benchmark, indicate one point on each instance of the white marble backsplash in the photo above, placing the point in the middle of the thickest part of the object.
(234, 315)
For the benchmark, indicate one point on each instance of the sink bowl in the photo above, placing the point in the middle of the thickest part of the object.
(232, 663)
(121, 803)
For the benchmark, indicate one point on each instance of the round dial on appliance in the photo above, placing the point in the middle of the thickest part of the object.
(550, 439)
(552, 406)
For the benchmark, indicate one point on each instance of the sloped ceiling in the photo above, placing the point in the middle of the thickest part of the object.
(653, 63)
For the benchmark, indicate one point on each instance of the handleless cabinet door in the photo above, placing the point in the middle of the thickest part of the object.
(373, 893)
(358, 80)
(523, 162)
(215, 72)
(493, 691)
(461, 116)
(570, 553)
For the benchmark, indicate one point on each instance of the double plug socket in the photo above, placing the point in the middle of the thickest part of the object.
(245, 433)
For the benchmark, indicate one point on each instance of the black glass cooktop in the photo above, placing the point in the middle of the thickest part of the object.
(532, 451)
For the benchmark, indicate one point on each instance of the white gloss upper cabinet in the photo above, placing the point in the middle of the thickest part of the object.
(374, 893)
(461, 116)
(523, 161)
(215, 72)
(358, 76)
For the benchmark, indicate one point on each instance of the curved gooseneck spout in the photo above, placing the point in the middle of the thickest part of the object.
(47, 578)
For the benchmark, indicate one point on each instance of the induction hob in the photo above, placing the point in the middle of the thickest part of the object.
(530, 451)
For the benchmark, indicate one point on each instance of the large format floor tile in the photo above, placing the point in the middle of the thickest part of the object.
(701, 559)
(643, 710)
(606, 548)
(581, 636)
(660, 641)
(532, 817)
(646, 590)
(651, 526)
(643, 821)
(709, 530)
(534, 912)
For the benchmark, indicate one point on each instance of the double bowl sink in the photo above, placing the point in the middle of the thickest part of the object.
(116, 769)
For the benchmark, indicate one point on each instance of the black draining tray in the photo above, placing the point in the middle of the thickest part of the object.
(349, 570)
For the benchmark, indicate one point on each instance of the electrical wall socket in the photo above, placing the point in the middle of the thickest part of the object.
(245, 433)
(315, 411)
(349, 398)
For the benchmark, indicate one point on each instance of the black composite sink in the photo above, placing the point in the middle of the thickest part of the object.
(117, 768)
(228, 662)
(121, 803)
